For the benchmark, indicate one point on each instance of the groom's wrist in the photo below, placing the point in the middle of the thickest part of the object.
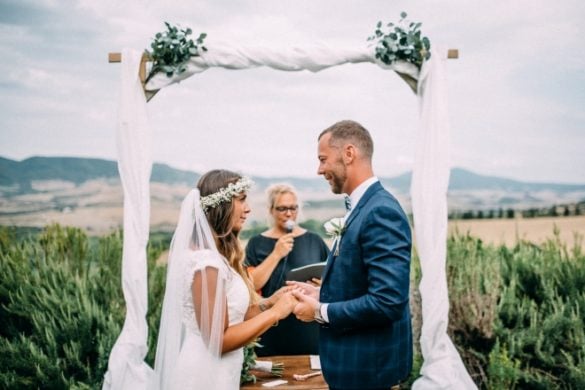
(318, 314)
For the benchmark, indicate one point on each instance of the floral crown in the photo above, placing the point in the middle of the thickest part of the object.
(226, 194)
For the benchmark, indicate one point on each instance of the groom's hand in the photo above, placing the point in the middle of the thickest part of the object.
(305, 288)
(305, 309)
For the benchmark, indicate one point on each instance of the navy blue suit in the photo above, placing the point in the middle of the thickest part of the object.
(368, 340)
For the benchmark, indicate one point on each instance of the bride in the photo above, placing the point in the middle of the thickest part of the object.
(210, 310)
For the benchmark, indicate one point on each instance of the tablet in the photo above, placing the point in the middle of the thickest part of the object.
(307, 272)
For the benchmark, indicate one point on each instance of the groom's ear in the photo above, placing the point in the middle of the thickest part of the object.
(349, 154)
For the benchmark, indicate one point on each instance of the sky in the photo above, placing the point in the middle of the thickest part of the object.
(516, 93)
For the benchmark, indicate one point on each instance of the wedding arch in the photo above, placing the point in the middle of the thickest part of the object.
(442, 366)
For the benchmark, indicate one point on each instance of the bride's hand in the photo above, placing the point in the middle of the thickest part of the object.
(267, 303)
(285, 305)
(271, 300)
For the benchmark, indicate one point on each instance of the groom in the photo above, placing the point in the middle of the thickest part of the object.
(365, 340)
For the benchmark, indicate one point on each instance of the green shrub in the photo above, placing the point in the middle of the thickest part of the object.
(517, 314)
(61, 307)
(540, 315)
(474, 282)
(503, 372)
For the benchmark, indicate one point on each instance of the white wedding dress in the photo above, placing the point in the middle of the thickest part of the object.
(196, 367)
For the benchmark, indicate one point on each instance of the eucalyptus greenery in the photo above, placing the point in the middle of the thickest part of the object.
(249, 361)
(171, 49)
(401, 41)
(276, 368)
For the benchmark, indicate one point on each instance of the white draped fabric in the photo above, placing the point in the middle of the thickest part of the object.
(126, 366)
(442, 367)
(313, 58)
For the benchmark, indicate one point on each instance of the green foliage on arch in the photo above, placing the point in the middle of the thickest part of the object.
(171, 49)
(402, 41)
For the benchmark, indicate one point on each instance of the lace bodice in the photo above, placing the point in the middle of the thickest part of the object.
(237, 295)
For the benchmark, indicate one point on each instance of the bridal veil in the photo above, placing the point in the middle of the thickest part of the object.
(208, 274)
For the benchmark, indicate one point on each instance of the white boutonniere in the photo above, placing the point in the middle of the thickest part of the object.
(335, 228)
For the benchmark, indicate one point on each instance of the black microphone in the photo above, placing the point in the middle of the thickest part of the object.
(289, 225)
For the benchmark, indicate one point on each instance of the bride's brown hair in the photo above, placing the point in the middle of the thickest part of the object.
(221, 222)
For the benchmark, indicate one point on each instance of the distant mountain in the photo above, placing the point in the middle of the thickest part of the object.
(467, 190)
(76, 170)
(79, 170)
(462, 179)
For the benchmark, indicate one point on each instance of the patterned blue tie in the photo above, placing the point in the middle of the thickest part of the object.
(347, 201)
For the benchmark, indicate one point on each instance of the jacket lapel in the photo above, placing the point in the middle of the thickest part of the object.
(363, 200)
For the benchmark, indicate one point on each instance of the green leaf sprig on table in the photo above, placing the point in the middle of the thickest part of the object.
(249, 361)
(275, 369)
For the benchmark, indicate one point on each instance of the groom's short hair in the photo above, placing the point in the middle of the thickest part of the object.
(352, 132)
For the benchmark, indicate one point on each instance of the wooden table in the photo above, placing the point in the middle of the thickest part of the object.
(292, 365)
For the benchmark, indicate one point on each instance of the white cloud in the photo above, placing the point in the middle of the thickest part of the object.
(515, 91)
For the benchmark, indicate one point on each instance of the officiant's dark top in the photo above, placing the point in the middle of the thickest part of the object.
(291, 336)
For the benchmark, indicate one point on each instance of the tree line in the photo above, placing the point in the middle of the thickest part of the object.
(560, 210)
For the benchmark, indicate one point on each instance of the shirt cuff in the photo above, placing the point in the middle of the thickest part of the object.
(324, 312)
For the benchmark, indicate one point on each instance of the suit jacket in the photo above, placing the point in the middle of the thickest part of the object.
(368, 340)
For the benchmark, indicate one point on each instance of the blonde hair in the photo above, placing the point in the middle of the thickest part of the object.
(276, 190)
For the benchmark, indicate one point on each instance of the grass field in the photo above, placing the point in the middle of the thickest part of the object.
(535, 230)
(494, 231)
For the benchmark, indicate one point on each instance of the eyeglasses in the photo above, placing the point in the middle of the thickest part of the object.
(284, 209)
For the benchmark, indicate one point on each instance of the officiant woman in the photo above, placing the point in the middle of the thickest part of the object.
(270, 255)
